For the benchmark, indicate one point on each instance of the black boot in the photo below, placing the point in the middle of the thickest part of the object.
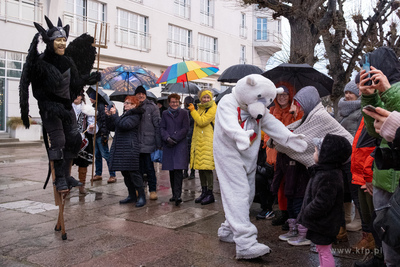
(185, 174)
(60, 181)
(72, 182)
(280, 220)
(209, 198)
(375, 261)
(202, 196)
(127, 200)
(191, 176)
(141, 198)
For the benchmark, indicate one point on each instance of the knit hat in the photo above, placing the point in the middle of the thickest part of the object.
(205, 92)
(352, 87)
(140, 89)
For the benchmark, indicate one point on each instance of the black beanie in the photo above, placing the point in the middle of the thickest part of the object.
(140, 89)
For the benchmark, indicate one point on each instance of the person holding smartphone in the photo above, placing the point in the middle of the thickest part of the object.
(384, 92)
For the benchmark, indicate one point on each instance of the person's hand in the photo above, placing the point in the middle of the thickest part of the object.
(368, 187)
(380, 117)
(171, 141)
(191, 107)
(379, 81)
(94, 77)
(293, 109)
(91, 127)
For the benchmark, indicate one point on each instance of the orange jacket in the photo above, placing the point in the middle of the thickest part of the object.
(285, 117)
(361, 161)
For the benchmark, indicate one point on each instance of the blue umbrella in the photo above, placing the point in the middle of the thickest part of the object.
(125, 79)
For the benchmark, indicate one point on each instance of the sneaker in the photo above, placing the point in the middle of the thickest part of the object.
(263, 214)
(289, 235)
(270, 215)
(299, 241)
(153, 195)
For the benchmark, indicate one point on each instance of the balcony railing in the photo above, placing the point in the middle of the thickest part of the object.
(207, 18)
(26, 11)
(267, 36)
(243, 31)
(81, 24)
(207, 55)
(129, 38)
(182, 10)
(179, 50)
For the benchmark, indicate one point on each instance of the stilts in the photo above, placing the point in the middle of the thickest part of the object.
(59, 198)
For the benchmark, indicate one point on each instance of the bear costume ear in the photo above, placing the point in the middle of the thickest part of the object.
(251, 81)
(279, 90)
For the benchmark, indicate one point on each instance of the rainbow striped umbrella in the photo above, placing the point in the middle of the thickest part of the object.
(187, 71)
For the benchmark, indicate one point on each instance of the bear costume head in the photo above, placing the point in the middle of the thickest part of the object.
(255, 93)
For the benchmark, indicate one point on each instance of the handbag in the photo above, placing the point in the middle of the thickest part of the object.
(387, 221)
(156, 156)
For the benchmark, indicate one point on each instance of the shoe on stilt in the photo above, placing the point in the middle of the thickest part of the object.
(300, 239)
(255, 251)
(209, 198)
(292, 230)
(202, 196)
(61, 184)
(72, 182)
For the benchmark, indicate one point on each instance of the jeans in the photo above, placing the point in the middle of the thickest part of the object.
(101, 152)
(294, 207)
(147, 166)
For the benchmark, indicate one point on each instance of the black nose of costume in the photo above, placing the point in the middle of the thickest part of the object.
(259, 116)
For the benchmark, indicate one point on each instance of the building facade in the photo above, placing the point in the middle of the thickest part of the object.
(152, 33)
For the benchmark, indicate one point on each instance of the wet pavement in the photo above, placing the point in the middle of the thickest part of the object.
(101, 232)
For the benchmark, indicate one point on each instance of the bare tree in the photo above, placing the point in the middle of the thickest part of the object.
(314, 20)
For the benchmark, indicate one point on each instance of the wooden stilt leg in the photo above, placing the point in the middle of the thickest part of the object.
(59, 199)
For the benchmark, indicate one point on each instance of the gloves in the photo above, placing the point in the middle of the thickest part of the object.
(171, 141)
(296, 142)
(243, 140)
(191, 107)
(94, 77)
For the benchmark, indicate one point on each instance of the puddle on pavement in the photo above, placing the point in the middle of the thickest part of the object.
(28, 206)
(89, 197)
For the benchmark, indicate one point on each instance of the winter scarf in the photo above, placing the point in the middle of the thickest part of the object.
(317, 124)
(347, 107)
(174, 112)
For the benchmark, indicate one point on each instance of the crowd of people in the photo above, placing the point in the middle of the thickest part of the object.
(351, 162)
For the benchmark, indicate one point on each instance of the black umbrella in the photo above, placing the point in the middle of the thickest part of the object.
(190, 88)
(300, 75)
(236, 72)
(227, 91)
(102, 96)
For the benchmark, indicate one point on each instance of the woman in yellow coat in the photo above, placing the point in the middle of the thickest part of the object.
(201, 154)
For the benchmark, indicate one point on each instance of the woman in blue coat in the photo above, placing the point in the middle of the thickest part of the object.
(174, 127)
(124, 154)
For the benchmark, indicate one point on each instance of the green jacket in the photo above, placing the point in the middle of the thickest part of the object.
(389, 100)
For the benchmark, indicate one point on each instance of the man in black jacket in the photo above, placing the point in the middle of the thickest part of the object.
(101, 148)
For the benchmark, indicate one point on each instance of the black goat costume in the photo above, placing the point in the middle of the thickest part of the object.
(56, 81)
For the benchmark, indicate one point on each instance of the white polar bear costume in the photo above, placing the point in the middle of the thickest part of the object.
(240, 117)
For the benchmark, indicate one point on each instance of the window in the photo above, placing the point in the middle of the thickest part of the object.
(132, 31)
(242, 59)
(179, 42)
(261, 32)
(242, 26)
(82, 16)
(22, 10)
(182, 8)
(207, 12)
(208, 49)
(10, 66)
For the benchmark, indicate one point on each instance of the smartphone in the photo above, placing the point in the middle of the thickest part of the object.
(370, 108)
(367, 67)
